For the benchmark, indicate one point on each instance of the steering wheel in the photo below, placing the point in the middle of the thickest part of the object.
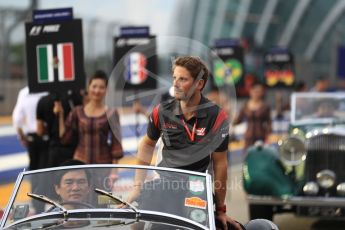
(77, 203)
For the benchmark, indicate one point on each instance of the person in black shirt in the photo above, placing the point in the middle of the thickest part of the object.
(194, 132)
(48, 122)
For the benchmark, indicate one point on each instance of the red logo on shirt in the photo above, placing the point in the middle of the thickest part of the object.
(169, 126)
(200, 131)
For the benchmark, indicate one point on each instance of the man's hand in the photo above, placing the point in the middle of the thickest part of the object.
(224, 220)
(135, 193)
(112, 178)
(22, 137)
(23, 141)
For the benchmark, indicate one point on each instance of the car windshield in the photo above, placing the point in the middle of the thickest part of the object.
(317, 107)
(169, 192)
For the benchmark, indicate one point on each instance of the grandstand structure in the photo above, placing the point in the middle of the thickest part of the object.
(312, 30)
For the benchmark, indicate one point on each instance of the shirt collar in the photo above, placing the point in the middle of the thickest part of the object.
(200, 113)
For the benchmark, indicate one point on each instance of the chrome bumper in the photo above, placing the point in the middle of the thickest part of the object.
(297, 201)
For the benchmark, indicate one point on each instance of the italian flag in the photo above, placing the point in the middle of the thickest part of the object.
(45, 63)
(66, 61)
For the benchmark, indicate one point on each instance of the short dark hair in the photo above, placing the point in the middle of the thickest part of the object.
(194, 65)
(60, 174)
(99, 74)
(257, 83)
(299, 85)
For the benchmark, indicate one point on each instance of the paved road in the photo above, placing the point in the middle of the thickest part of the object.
(237, 206)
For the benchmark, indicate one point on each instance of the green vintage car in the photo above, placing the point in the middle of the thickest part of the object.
(304, 173)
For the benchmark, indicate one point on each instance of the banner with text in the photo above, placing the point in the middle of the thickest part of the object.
(227, 64)
(279, 68)
(135, 62)
(55, 58)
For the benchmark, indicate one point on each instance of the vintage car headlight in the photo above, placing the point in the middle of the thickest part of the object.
(298, 133)
(292, 150)
(326, 178)
(311, 188)
(341, 189)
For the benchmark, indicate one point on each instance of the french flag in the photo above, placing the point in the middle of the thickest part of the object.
(135, 68)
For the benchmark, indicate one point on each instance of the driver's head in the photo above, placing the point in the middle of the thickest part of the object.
(72, 185)
(190, 75)
(326, 108)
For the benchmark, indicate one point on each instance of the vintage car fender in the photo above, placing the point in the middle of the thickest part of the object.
(264, 174)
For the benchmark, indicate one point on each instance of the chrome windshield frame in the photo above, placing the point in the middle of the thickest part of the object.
(122, 211)
(210, 198)
(113, 166)
(11, 200)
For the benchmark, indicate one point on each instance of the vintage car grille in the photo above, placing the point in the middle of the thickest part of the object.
(325, 151)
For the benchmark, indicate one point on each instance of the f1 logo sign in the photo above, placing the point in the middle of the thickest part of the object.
(35, 30)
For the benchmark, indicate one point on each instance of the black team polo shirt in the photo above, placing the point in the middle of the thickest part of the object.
(189, 144)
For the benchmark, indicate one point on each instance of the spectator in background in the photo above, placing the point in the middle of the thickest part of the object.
(322, 84)
(92, 125)
(24, 120)
(48, 123)
(257, 114)
(282, 105)
(300, 87)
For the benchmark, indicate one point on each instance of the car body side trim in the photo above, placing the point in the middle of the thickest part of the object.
(297, 200)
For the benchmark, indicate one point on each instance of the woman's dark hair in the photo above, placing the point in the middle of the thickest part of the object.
(258, 83)
(99, 74)
(299, 86)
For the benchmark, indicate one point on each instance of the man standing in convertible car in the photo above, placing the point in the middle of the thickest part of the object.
(194, 133)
